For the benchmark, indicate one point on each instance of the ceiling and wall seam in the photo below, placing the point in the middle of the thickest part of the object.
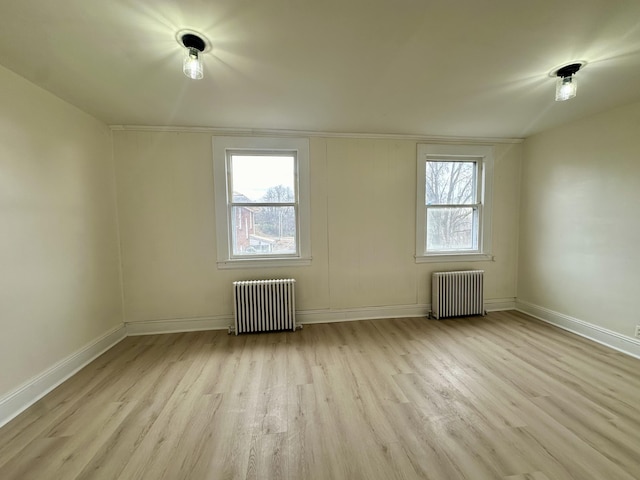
(314, 133)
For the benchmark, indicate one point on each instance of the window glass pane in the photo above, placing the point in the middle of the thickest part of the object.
(452, 229)
(263, 178)
(450, 183)
(263, 230)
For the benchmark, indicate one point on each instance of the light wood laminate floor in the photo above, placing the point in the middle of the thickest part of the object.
(496, 397)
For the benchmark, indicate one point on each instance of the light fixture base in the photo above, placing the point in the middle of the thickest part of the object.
(191, 39)
(567, 69)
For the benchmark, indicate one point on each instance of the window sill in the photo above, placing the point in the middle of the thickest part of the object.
(264, 263)
(455, 257)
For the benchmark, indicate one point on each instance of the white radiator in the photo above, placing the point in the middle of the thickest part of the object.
(264, 305)
(455, 294)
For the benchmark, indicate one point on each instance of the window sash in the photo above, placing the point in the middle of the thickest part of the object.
(258, 255)
(230, 153)
(475, 229)
(476, 184)
(475, 205)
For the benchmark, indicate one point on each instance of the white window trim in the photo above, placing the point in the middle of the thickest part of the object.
(483, 153)
(221, 181)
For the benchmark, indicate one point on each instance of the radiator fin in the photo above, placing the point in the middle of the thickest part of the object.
(264, 305)
(455, 294)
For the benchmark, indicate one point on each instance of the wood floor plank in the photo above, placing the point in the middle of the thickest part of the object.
(502, 397)
(528, 476)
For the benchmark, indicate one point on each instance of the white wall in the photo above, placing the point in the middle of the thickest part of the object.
(363, 229)
(59, 260)
(580, 226)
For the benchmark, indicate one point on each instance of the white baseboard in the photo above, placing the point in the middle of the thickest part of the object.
(388, 311)
(177, 325)
(364, 313)
(222, 322)
(18, 400)
(609, 338)
(499, 304)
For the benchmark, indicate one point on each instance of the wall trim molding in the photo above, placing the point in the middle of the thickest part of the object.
(500, 304)
(604, 336)
(330, 315)
(178, 325)
(257, 132)
(387, 311)
(222, 322)
(21, 398)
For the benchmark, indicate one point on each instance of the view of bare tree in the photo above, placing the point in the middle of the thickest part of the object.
(273, 220)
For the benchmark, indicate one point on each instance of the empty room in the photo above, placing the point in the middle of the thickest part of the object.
(301, 240)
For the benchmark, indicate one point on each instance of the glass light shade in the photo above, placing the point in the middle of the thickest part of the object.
(192, 66)
(566, 88)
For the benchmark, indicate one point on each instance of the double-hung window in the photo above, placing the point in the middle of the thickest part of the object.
(262, 201)
(454, 202)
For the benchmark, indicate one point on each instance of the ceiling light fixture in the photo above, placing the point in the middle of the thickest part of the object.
(566, 85)
(192, 64)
